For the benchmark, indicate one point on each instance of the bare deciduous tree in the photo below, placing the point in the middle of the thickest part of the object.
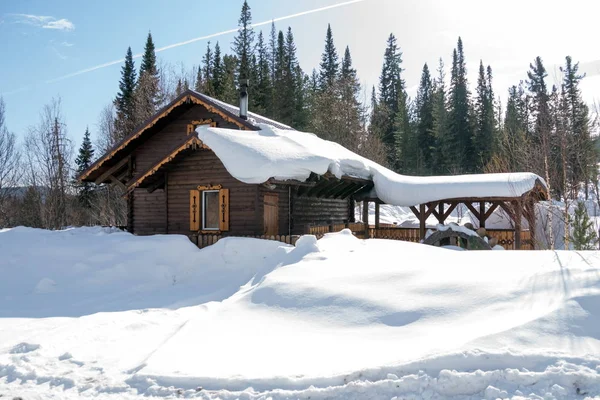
(9, 168)
(49, 152)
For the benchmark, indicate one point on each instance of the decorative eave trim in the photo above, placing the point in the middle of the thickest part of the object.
(188, 97)
(192, 141)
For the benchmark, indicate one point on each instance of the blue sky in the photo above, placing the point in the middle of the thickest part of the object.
(42, 40)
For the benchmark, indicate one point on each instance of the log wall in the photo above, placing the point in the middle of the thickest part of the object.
(202, 167)
(310, 211)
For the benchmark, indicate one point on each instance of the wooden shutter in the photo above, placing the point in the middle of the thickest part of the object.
(195, 210)
(224, 209)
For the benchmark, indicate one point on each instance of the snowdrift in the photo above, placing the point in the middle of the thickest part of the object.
(257, 156)
(97, 313)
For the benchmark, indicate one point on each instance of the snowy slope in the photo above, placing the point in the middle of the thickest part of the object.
(337, 318)
(257, 156)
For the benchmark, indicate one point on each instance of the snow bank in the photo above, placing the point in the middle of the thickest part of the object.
(334, 318)
(256, 156)
(85, 270)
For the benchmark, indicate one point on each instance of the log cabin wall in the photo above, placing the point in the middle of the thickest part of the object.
(314, 211)
(149, 214)
(149, 217)
(203, 167)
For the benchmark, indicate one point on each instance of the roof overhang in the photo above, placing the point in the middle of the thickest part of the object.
(124, 148)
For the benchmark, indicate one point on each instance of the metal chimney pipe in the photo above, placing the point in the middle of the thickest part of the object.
(244, 98)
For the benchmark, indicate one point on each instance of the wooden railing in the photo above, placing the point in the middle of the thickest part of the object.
(206, 240)
(506, 237)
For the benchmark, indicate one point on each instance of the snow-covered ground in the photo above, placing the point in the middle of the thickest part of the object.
(94, 312)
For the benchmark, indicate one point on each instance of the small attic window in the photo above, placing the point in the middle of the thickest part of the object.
(191, 127)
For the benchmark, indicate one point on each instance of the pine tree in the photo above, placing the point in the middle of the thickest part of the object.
(273, 50)
(147, 94)
(229, 93)
(405, 146)
(293, 84)
(243, 44)
(439, 128)
(217, 74)
(199, 84)
(207, 70)
(425, 124)
(149, 57)
(581, 157)
(390, 81)
(329, 67)
(125, 102)
(85, 190)
(461, 157)
(384, 119)
(584, 236)
(514, 139)
(263, 88)
(483, 141)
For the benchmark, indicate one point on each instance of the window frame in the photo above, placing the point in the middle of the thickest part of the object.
(204, 228)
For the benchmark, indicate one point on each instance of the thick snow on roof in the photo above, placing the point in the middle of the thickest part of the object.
(257, 156)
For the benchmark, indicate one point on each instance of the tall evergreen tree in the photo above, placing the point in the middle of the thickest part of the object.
(541, 130)
(461, 155)
(273, 50)
(243, 44)
(229, 92)
(425, 107)
(384, 119)
(207, 71)
(483, 141)
(262, 88)
(439, 128)
(329, 67)
(125, 102)
(514, 137)
(581, 157)
(149, 57)
(217, 74)
(147, 94)
(390, 81)
(85, 190)
(199, 84)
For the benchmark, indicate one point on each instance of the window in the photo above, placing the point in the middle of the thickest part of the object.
(210, 210)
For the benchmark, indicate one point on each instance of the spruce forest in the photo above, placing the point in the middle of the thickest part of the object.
(451, 125)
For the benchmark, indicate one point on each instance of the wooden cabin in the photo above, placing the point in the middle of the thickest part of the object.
(174, 184)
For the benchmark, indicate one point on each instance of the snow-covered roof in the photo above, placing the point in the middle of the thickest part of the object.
(253, 118)
(257, 156)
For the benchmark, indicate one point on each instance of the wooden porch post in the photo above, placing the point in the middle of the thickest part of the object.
(518, 207)
(366, 218)
(482, 214)
(441, 213)
(376, 215)
(422, 221)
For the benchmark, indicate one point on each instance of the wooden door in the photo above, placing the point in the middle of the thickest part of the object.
(271, 214)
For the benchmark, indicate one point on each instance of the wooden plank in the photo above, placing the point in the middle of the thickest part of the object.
(365, 217)
(472, 209)
(376, 215)
(111, 171)
(482, 216)
(517, 205)
(422, 219)
(449, 211)
(491, 210)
